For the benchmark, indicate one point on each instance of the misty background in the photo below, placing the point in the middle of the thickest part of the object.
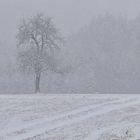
(102, 45)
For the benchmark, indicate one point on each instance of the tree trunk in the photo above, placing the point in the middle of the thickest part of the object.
(37, 83)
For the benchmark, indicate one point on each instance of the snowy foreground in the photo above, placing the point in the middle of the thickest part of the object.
(69, 117)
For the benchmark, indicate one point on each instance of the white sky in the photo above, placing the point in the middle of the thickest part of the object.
(69, 15)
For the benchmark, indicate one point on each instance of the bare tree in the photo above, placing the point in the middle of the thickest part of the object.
(37, 39)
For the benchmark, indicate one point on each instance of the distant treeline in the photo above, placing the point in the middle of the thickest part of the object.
(104, 57)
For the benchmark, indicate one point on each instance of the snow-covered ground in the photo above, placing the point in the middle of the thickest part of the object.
(70, 117)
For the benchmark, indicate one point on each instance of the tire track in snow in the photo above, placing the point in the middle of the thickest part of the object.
(69, 118)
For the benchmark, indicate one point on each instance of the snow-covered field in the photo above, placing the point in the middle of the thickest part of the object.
(70, 117)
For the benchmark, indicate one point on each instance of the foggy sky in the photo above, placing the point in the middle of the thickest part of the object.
(69, 15)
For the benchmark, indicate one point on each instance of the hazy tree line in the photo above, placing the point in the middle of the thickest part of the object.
(113, 47)
(103, 56)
